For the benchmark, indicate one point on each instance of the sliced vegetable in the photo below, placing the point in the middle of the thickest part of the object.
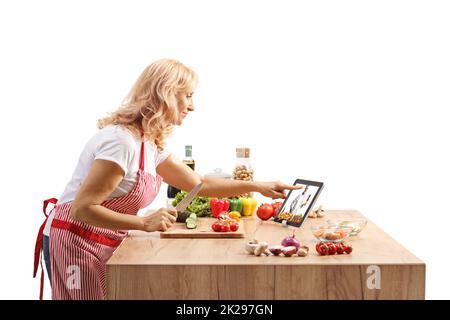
(191, 221)
(276, 250)
(289, 251)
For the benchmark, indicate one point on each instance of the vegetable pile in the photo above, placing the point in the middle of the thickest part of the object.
(289, 246)
(213, 207)
(225, 223)
(330, 248)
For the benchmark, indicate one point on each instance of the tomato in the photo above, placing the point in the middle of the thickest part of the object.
(265, 211)
(348, 249)
(276, 206)
(340, 248)
(318, 245)
(224, 228)
(216, 226)
(332, 248)
(234, 227)
(322, 249)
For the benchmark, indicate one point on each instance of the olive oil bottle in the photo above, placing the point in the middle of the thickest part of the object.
(190, 162)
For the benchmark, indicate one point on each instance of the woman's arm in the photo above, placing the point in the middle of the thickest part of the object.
(102, 179)
(177, 174)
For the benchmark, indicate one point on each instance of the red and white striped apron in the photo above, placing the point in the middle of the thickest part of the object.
(79, 251)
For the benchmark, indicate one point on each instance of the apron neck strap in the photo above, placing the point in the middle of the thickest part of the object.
(142, 155)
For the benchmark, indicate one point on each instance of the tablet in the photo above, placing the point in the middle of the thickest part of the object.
(299, 203)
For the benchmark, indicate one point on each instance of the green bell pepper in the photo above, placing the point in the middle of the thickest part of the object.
(236, 204)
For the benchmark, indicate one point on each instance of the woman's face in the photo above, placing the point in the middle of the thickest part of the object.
(184, 106)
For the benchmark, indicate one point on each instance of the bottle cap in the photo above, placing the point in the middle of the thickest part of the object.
(188, 150)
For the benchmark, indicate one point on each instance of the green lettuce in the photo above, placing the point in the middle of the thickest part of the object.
(199, 205)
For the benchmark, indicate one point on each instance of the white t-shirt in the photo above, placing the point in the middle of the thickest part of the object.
(117, 144)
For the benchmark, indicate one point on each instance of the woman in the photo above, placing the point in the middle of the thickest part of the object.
(119, 172)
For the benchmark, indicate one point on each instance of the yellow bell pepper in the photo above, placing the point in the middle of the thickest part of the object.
(235, 215)
(248, 206)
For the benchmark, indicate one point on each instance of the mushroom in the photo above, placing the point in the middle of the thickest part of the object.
(318, 213)
(261, 248)
(303, 251)
(250, 247)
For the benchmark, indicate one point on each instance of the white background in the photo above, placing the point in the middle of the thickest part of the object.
(352, 93)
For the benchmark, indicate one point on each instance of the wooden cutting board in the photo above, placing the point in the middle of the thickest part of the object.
(203, 230)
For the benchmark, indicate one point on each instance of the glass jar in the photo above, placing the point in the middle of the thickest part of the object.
(243, 169)
(218, 174)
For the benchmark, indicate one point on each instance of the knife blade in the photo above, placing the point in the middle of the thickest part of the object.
(187, 200)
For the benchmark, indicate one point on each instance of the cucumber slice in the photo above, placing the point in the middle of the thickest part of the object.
(191, 223)
(193, 216)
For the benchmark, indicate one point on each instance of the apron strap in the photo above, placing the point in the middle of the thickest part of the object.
(142, 155)
(85, 234)
(38, 246)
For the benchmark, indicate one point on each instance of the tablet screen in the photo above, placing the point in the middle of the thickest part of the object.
(299, 203)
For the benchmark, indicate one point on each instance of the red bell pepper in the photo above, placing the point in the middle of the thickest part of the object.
(218, 206)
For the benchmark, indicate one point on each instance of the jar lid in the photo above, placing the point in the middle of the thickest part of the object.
(218, 174)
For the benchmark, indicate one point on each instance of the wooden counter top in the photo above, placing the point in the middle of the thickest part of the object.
(146, 257)
(371, 246)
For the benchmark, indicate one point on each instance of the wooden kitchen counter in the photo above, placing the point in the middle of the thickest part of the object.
(147, 267)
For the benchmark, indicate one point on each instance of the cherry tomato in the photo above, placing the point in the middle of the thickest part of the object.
(340, 248)
(318, 245)
(224, 228)
(348, 249)
(332, 248)
(234, 227)
(322, 249)
(216, 226)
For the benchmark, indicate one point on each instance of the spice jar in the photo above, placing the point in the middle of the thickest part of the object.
(243, 169)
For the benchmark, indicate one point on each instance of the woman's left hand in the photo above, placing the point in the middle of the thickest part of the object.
(275, 190)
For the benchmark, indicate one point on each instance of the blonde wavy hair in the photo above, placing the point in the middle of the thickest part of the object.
(151, 105)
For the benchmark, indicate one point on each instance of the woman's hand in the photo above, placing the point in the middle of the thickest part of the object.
(159, 220)
(275, 190)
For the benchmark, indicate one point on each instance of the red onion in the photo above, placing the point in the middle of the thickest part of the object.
(290, 241)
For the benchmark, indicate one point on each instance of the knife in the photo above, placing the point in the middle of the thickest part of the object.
(187, 200)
